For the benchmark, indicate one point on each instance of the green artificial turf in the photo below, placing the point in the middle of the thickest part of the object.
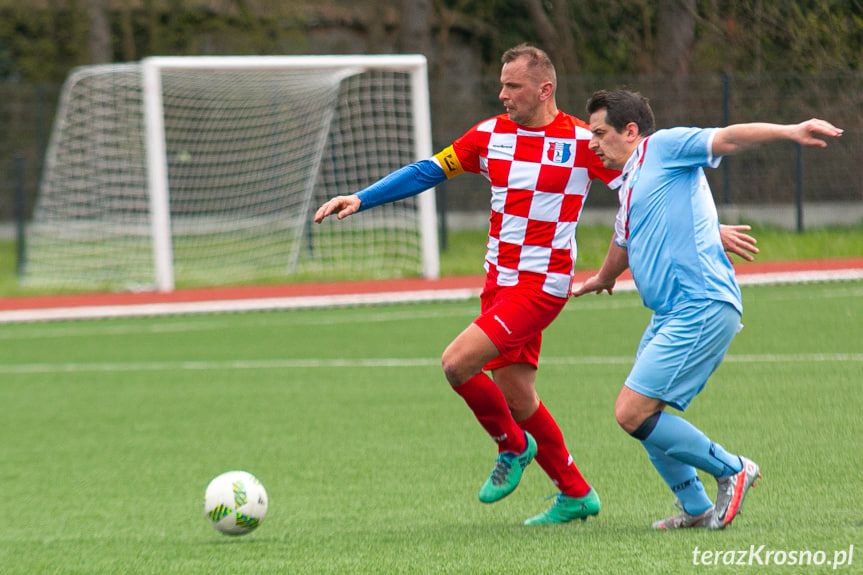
(113, 428)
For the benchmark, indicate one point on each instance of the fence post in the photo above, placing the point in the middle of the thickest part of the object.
(440, 192)
(726, 120)
(798, 188)
(19, 216)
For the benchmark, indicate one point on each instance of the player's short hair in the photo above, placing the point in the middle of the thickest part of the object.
(538, 62)
(623, 107)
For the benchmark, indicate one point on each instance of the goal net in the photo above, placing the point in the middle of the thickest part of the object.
(207, 171)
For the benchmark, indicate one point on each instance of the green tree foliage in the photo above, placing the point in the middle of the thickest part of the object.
(621, 36)
(40, 41)
(41, 45)
(795, 36)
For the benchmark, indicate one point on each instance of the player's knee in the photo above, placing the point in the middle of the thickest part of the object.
(632, 414)
(459, 364)
(522, 406)
(452, 370)
(623, 421)
(642, 430)
(627, 418)
(624, 416)
(451, 374)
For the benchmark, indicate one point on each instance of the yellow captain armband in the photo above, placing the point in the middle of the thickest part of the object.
(449, 162)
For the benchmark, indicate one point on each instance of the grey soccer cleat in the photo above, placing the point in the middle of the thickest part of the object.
(684, 520)
(730, 493)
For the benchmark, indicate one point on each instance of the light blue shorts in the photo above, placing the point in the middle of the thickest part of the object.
(681, 349)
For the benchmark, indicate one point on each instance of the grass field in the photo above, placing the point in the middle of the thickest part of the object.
(114, 428)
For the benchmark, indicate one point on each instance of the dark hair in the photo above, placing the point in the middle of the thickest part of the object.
(623, 107)
(538, 62)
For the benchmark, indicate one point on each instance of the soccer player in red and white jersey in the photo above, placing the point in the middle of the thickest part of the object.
(537, 161)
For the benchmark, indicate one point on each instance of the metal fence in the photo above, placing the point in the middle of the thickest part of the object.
(26, 112)
(775, 175)
(779, 174)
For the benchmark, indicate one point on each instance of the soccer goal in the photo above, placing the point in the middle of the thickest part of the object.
(207, 171)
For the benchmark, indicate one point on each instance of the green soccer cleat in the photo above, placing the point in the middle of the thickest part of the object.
(566, 508)
(507, 472)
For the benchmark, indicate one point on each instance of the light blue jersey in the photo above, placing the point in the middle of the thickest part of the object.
(668, 222)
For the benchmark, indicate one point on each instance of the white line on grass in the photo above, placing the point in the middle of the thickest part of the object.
(230, 322)
(232, 306)
(313, 363)
(762, 358)
(328, 317)
(796, 358)
(212, 365)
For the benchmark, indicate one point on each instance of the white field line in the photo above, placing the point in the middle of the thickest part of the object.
(392, 362)
(182, 324)
(318, 302)
(773, 278)
(334, 316)
(232, 306)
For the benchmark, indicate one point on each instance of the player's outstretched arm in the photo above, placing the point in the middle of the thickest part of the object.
(342, 206)
(405, 182)
(734, 241)
(738, 137)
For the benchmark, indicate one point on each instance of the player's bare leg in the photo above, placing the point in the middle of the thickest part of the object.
(466, 355)
(517, 383)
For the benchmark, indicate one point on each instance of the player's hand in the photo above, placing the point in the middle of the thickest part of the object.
(734, 241)
(594, 285)
(804, 132)
(342, 206)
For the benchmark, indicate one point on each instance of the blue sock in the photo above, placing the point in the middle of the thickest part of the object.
(681, 440)
(682, 479)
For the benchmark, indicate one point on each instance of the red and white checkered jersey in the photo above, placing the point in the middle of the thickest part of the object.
(539, 180)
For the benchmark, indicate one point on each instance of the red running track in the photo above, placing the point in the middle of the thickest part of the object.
(744, 270)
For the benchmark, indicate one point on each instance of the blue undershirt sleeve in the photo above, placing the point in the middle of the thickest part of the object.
(405, 182)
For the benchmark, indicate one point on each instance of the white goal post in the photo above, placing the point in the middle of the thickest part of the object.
(217, 164)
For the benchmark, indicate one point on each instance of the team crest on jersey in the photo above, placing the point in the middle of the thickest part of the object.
(559, 152)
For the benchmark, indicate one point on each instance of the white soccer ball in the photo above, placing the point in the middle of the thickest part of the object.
(235, 502)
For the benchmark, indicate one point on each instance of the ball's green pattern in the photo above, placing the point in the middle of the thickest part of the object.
(218, 513)
(240, 497)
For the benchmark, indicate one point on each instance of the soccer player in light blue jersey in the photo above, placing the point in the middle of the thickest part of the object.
(667, 233)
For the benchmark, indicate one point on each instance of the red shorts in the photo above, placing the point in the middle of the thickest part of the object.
(513, 318)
